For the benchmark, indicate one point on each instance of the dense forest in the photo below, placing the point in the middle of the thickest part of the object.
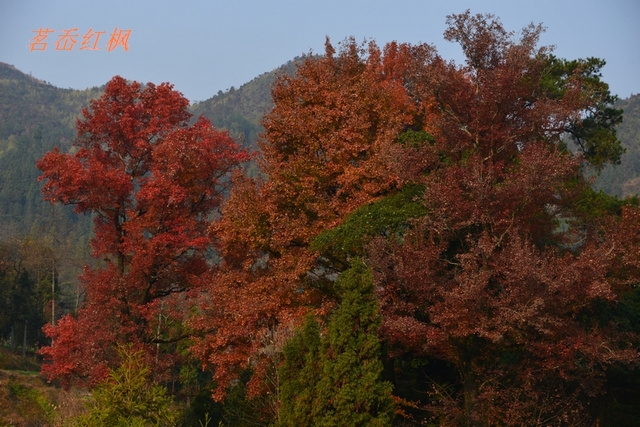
(372, 236)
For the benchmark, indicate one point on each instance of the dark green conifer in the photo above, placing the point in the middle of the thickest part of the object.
(351, 390)
(336, 380)
(299, 376)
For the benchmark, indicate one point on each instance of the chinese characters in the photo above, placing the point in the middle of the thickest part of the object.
(67, 39)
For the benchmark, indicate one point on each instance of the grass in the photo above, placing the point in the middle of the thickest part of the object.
(16, 362)
(27, 400)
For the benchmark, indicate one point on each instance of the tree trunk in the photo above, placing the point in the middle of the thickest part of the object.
(470, 390)
(24, 340)
(53, 294)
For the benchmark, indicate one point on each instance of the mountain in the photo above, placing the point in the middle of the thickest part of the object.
(34, 117)
(240, 110)
(624, 179)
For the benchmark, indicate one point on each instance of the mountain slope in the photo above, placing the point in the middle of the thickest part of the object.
(624, 179)
(240, 110)
(34, 117)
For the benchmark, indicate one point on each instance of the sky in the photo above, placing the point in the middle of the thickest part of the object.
(202, 47)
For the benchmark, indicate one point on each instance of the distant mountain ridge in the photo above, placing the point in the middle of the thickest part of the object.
(240, 110)
(36, 116)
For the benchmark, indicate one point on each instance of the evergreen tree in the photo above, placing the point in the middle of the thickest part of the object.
(299, 376)
(351, 391)
(336, 379)
(128, 397)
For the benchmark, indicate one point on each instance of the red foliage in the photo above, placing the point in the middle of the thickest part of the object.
(498, 279)
(501, 280)
(153, 183)
(325, 152)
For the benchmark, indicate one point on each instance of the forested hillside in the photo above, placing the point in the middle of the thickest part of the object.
(624, 179)
(34, 117)
(39, 243)
(240, 110)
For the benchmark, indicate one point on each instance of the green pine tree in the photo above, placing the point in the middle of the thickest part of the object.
(299, 375)
(336, 380)
(128, 397)
(351, 391)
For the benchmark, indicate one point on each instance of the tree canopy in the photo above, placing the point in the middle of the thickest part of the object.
(152, 182)
(491, 266)
(430, 215)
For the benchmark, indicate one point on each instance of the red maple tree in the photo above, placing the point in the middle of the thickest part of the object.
(153, 183)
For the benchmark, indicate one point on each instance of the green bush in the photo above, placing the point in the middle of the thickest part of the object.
(128, 397)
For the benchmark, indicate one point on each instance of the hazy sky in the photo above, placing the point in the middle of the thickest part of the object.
(205, 46)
